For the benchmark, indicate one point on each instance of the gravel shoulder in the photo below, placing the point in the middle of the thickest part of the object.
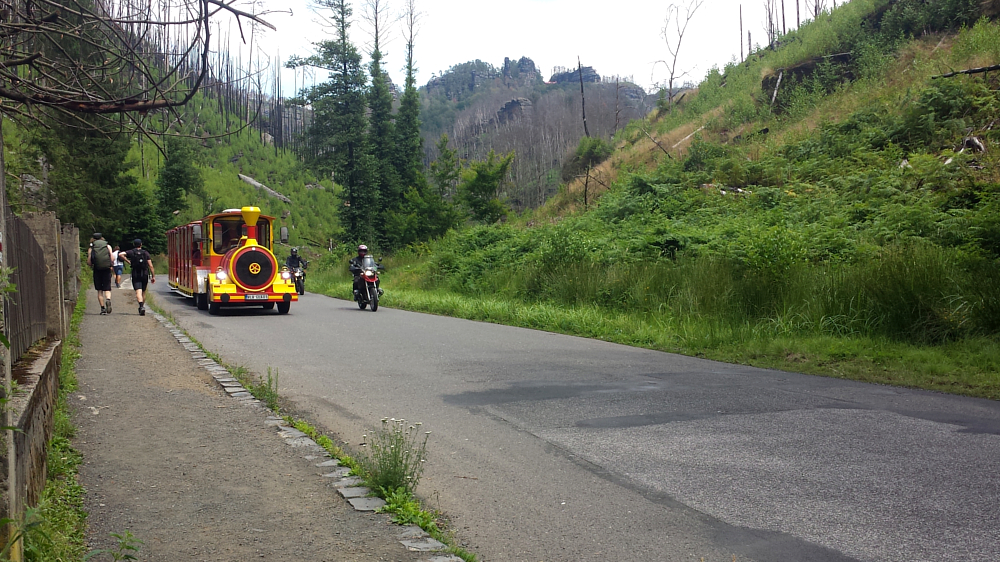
(193, 473)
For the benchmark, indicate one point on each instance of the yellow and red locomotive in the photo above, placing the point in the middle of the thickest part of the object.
(227, 259)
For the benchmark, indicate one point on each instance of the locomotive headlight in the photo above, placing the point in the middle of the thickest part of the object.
(286, 275)
(221, 275)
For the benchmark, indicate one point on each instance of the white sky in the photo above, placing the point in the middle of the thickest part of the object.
(615, 37)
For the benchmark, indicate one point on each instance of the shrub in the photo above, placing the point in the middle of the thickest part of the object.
(393, 456)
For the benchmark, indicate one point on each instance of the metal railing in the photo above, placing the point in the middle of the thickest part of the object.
(25, 307)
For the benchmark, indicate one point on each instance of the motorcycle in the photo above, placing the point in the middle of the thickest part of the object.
(299, 275)
(369, 292)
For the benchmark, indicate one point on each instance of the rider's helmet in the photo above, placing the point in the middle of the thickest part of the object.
(362, 250)
(295, 251)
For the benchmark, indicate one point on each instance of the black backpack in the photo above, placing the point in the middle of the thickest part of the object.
(140, 258)
(101, 256)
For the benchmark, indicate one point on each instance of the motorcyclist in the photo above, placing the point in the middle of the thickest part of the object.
(295, 260)
(354, 266)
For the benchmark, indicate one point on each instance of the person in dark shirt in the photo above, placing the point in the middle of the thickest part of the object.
(295, 260)
(355, 267)
(142, 272)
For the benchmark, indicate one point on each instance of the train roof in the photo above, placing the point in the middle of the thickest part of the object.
(223, 213)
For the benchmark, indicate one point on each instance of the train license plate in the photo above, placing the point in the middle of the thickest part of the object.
(256, 297)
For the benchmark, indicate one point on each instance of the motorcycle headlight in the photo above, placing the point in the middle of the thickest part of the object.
(369, 273)
(286, 275)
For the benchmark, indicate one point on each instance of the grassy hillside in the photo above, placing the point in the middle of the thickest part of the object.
(311, 215)
(849, 228)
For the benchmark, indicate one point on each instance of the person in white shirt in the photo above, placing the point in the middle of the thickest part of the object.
(118, 265)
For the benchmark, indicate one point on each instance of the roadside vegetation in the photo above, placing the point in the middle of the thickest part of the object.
(54, 530)
(389, 463)
(850, 229)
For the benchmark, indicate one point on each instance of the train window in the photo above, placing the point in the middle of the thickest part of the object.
(264, 233)
(226, 233)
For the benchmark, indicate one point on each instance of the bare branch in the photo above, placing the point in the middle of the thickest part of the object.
(673, 30)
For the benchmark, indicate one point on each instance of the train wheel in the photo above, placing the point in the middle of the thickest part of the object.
(201, 299)
(269, 306)
(213, 307)
(283, 307)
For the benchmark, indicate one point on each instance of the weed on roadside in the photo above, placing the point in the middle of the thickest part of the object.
(391, 466)
(126, 545)
(393, 456)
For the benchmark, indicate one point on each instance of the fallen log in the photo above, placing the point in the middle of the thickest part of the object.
(968, 71)
(264, 188)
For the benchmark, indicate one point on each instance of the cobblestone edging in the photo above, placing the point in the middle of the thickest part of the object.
(413, 538)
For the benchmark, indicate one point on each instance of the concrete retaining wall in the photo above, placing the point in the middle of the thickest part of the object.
(32, 408)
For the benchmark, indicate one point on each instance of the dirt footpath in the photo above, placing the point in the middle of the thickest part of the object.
(190, 471)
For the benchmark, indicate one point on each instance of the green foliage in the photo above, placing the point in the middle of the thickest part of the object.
(394, 455)
(590, 152)
(336, 138)
(382, 147)
(447, 169)
(92, 186)
(178, 177)
(56, 529)
(126, 548)
(481, 187)
(874, 225)
(407, 511)
(261, 388)
(983, 39)
(910, 18)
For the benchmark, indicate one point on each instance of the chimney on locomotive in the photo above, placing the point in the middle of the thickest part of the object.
(250, 216)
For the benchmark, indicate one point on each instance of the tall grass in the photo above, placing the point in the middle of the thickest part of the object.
(913, 292)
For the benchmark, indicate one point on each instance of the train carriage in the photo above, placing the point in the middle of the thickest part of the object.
(227, 259)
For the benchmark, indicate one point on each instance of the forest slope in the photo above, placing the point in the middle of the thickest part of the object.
(851, 227)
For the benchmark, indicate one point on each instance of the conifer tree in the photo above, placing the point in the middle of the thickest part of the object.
(336, 139)
(381, 132)
(447, 169)
(92, 188)
(178, 178)
(409, 143)
(481, 185)
(423, 213)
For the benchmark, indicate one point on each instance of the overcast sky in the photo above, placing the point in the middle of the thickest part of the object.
(615, 37)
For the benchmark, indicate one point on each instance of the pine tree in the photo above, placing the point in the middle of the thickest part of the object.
(447, 169)
(481, 185)
(381, 137)
(409, 143)
(336, 139)
(178, 178)
(92, 188)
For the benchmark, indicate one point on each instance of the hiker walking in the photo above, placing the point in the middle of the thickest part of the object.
(118, 266)
(142, 272)
(99, 257)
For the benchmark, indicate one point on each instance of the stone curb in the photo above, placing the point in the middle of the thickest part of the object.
(412, 538)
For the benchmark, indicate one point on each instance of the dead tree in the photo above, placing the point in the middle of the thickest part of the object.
(618, 107)
(674, 27)
(771, 21)
(72, 57)
(583, 100)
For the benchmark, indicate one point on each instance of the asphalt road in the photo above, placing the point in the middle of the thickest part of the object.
(546, 447)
